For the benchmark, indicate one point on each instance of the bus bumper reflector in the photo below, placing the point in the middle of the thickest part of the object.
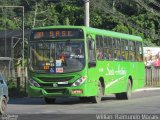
(77, 91)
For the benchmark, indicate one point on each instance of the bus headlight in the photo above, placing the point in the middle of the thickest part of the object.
(33, 83)
(80, 81)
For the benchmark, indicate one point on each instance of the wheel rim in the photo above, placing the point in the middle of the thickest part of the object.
(3, 106)
(129, 91)
(99, 96)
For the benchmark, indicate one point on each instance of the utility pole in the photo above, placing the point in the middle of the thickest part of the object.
(86, 13)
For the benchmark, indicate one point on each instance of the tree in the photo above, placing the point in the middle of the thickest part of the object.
(138, 17)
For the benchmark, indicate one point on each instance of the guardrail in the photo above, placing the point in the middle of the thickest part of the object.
(152, 76)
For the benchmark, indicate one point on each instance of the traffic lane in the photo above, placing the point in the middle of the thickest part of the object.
(57, 117)
(75, 100)
(141, 102)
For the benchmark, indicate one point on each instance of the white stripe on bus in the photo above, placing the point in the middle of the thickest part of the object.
(111, 83)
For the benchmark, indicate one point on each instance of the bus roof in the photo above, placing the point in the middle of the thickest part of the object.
(98, 32)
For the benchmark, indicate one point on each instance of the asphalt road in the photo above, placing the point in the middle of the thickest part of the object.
(142, 102)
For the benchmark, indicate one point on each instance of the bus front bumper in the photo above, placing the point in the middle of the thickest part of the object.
(55, 92)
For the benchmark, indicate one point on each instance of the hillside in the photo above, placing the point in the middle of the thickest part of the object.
(137, 17)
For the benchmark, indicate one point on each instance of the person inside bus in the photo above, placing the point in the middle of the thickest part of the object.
(121, 57)
(63, 58)
(99, 54)
(108, 56)
(116, 56)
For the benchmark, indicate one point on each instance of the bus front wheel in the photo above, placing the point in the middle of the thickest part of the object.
(97, 99)
(49, 100)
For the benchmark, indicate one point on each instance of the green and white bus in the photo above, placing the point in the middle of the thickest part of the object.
(83, 62)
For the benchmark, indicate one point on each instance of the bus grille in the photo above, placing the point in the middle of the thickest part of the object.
(55, 90)
(46, 85)
(55, 79)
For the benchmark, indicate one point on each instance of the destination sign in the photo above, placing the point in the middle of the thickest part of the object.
(57, 33)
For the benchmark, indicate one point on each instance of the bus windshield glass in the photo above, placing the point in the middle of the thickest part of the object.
(57, 57)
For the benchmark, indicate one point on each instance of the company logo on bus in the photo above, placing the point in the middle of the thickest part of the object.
(55, 85)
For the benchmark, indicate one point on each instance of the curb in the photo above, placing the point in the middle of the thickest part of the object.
(147, 89)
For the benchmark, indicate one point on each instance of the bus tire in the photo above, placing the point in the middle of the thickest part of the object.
(118, 96)
(125, 95)
(97, 99)
(128, 93)
(84, 99)
(3, 105)
(50, 100)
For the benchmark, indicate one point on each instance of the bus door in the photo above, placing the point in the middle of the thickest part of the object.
(92, 79)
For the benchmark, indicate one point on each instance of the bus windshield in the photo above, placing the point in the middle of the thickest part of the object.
(57, 57)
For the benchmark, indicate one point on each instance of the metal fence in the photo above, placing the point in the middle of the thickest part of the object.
(152, 76)
(5, 68)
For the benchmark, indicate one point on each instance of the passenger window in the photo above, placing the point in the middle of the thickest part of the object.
(132, 53)
(117, 54)
(139, 52)
(125, 49)
(122, 56)
(100, 54)
(116, 46)
(91, 53)
(99, 49)
(108, 52)
(99, 41)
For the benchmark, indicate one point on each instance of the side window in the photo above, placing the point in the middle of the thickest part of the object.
(132, 53)
(91, 51)
(108, 52)
(124, 49)
(116, 46)
(122, 57)
(99, 47)
(139, 52)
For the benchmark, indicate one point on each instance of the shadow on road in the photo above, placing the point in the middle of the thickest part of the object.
(59, 101)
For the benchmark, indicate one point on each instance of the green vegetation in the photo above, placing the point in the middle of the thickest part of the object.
(138, 17)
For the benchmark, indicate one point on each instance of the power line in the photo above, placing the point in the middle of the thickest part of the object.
(106, 8)
(144, 5)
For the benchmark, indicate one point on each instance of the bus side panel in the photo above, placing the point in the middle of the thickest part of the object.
(92, 80)
(138, 76)
(105, 72)
(120, 77)
(114, 75)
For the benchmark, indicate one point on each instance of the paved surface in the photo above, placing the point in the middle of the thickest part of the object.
(143, 101)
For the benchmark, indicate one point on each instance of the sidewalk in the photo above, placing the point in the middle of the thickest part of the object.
(147, 89)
